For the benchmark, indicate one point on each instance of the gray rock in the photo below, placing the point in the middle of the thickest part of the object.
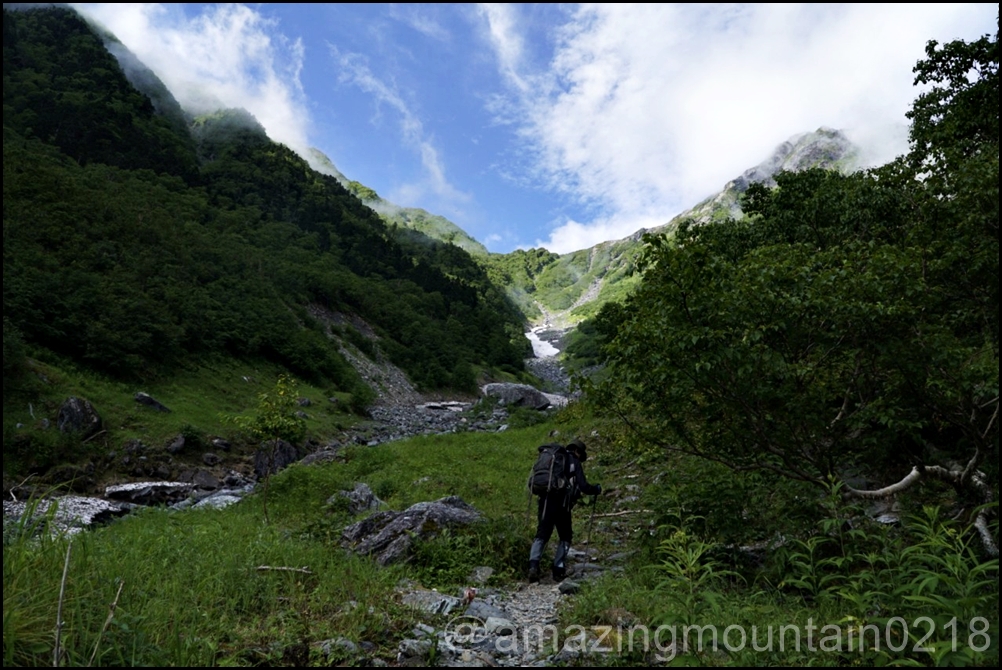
(339, 647)
(517, 395)
(499, 626)
(582, 568)
(77, 415)
(303, 402)
(218, 501)
(220, 444)
(387, 536)
(423, 630)
(272, 458)
(176, 446)
(149, 493)
(210, 459)
(569, 587)
(148, 400)
(360, 499)
(409, 649)
(205, 480)
(234, 479)
(483, 610)
(481, 574)
(431, 602)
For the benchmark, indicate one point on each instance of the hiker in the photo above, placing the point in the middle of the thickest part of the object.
(555, 511)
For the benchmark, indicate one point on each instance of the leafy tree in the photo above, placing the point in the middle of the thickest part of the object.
(847, 323)
(276, 419)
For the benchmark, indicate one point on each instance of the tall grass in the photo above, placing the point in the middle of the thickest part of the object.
(191, 590)
(919, 595)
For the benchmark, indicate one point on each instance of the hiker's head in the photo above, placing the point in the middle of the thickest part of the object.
(578, 448)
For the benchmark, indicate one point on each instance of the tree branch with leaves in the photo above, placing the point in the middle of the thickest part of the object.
(275, 420)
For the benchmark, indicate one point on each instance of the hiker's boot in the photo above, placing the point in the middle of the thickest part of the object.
(559, 574)
(533, 572)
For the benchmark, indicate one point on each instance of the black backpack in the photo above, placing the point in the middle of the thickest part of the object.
(551, 471)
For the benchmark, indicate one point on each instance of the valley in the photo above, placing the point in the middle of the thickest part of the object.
(255, 414)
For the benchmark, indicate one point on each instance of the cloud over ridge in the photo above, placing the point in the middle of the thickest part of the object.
(643, 110)
(226, 56)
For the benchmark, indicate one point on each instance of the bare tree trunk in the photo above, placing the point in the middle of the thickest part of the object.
(969, 479)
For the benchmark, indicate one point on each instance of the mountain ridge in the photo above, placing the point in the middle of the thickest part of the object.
(573, 286)
(560, 290)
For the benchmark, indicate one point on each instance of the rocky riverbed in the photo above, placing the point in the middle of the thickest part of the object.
(399, 412)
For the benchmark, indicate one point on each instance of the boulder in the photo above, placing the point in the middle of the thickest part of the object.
(360, 499)
(176, 445)
(517, 395)
(77, 415)
(205, 480)
(148, 400)
(220, 443)
(272, 457)
(388, 536)
(483, 610)
(149, 493)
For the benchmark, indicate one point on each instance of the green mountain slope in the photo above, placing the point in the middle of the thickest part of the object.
(434, 226)
(565, 289)
(135, 248)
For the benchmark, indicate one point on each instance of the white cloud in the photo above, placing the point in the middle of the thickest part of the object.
(645, 109)
(420, 19)
(355, 70)
(507, 42)
(229, 55)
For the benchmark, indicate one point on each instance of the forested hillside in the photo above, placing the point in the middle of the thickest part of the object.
(138, 240)
(847, 328)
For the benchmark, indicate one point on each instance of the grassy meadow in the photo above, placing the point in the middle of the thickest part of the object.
(188, 589)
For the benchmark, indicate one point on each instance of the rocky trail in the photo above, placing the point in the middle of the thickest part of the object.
(518, 626)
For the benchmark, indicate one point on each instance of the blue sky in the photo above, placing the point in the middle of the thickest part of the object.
(548, 125)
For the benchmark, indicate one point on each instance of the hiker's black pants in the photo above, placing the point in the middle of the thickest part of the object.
(554, 513)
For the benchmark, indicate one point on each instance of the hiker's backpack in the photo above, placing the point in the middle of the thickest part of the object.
(550, 473)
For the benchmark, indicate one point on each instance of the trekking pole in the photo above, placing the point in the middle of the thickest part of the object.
(591, 519)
